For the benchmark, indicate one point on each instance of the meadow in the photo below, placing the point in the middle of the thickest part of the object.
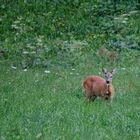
(41, 72)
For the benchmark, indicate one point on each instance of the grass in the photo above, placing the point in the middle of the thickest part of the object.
(36, 105)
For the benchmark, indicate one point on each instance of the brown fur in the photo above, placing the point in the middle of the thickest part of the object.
(97, 86)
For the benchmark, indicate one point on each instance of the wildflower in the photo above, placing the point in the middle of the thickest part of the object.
(13, 67)
(123, 68)
(124, 21)
(47, 71)
(25, 52)
(38, 135)
(116, 18)
(25, 70)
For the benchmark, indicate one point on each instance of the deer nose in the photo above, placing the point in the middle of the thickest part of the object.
(107, 82)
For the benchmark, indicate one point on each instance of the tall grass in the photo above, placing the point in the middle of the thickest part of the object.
(36, 105)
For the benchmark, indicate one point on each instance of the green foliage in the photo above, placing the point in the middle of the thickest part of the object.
(29, 29)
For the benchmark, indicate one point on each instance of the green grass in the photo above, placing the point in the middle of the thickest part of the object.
(35, 105)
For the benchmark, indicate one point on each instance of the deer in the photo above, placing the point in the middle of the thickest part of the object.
(96, 86)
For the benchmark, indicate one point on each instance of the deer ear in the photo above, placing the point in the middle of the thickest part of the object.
(104, 70)
(113, 71)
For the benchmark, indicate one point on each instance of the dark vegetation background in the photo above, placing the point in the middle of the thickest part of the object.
(34, 32)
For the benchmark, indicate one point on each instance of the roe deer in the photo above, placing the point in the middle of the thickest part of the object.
(97, 86)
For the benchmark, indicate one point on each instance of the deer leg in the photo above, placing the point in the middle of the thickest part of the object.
(93, 97)
(88, 97)
(109, 99)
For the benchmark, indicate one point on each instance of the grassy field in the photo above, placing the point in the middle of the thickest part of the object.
(36, 105)
(47, 49)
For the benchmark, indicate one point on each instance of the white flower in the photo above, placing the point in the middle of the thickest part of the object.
(38, 135)
(13, 67)
(25, 52)
(25, 70)
(47, 71)
(124, 21)
(133, 12)
(125, 18)
(73, 69)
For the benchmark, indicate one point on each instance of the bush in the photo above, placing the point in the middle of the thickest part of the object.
(30, 29)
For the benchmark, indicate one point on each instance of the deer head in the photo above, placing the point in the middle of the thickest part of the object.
(108, 75)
